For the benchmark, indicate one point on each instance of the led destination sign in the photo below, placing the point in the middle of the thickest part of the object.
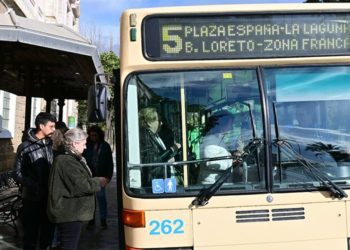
(247, 36)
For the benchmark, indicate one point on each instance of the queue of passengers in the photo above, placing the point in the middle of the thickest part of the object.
(58, 185)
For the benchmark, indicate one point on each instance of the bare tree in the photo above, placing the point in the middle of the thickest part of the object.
(103, 42)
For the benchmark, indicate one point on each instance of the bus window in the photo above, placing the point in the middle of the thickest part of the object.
(311, 106)
(174, 131)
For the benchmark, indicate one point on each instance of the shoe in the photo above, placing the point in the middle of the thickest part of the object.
(103, 223)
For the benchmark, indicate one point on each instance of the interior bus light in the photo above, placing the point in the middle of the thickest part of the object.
(134, 218)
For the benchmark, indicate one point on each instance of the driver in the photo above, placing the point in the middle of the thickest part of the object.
(215, 144)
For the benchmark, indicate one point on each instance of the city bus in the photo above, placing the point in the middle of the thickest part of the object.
(233, 127)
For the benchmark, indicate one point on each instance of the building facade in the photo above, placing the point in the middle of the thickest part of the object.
(12, 107)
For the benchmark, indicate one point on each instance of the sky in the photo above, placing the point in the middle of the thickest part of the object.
(102, 16)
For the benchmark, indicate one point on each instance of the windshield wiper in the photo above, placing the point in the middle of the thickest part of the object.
(205, 194)
(313, 171)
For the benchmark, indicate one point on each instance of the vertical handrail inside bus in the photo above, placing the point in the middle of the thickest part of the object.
(183, 125)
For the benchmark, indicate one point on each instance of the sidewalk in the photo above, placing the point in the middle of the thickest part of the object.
(94, 238)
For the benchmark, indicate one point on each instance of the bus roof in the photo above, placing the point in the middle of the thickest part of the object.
(243, 8)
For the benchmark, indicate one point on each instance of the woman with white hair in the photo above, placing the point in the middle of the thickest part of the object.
(72, 189)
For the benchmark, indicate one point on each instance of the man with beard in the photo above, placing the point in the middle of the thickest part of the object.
(33, 161)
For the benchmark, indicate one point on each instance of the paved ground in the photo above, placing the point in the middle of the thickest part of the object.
(94, 238)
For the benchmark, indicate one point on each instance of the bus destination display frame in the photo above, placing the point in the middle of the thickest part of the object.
(244, 36)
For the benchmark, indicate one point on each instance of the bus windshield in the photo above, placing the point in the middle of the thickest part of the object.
(186, 128)
(310, 125)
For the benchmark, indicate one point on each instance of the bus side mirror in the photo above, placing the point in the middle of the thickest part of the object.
(97, 103)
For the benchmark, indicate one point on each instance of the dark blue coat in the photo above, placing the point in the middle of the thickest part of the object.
(103, 165)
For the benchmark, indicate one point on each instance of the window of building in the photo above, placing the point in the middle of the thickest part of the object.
(6, 110)
(5, 115)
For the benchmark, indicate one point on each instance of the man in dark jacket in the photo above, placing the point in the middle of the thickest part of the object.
(98, 155)
(33, 161)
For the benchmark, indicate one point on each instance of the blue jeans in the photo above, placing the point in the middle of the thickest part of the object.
(102, 203)
(56, 241)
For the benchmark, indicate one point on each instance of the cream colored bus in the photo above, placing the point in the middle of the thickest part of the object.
(234, 127)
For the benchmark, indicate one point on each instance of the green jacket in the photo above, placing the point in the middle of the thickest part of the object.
(71, 190)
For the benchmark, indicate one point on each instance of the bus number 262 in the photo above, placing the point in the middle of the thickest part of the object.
(166, 227)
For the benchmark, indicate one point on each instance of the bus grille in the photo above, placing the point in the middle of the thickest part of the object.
(252, 216)
(264, 215)
(288, 214)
